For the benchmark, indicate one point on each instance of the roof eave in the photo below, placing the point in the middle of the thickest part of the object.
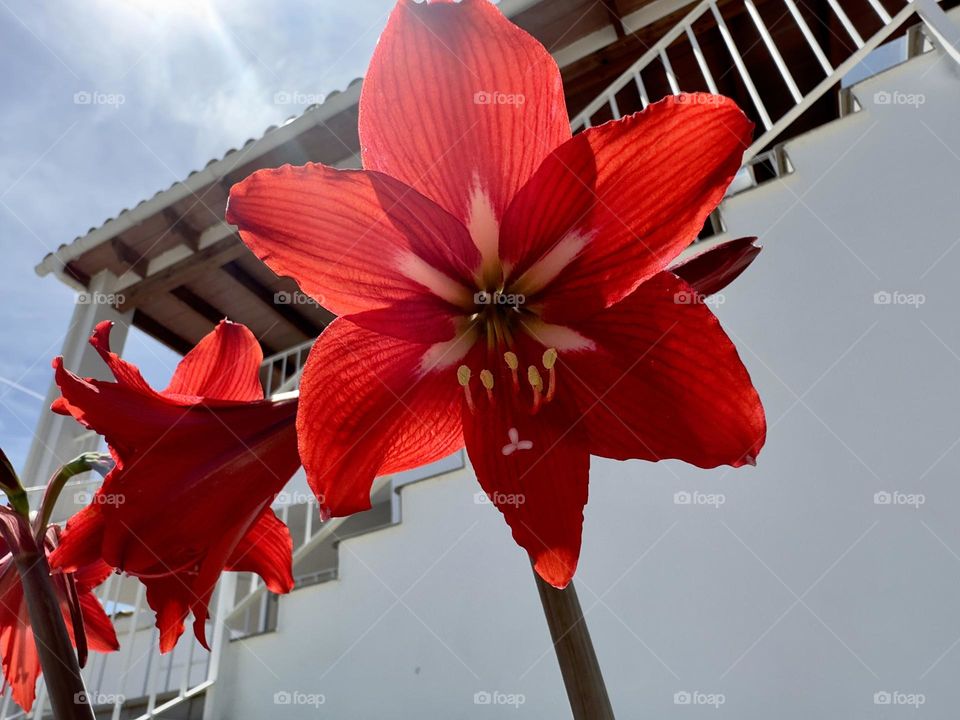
(55, 262)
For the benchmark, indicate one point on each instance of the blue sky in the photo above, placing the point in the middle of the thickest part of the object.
(197, 77)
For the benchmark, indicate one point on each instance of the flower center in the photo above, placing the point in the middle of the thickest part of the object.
(540, 393)
(497, 313)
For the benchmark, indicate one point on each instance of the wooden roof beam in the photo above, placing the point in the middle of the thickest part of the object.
(183, 272)
(135, 262)
(208, 311)
(160, 332)
(615, 13)
(268, 296)
(178, 223)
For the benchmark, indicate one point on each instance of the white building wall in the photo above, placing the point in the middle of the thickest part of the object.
(799, 597)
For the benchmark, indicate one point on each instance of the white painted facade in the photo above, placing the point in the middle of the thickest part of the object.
(790, 590)
(800, 596)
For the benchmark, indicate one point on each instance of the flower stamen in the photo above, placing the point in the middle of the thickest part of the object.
(536, 382)
(486, 379)
(513, 363)
(549, 360)
(463, 377)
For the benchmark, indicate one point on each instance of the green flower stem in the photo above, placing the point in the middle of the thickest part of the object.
(61, 671)
(88, 461)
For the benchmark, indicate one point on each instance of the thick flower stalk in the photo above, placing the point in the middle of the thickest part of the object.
(503, 285)
(87, 625)
(197, 466)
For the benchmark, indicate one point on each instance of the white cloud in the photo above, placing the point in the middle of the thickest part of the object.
(197, 79)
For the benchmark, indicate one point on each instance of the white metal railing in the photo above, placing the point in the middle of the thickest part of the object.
(281, 372)
(136, 681)
(682, 39)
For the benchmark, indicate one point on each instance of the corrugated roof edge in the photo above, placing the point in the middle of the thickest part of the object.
(335, 102)
(214, 170)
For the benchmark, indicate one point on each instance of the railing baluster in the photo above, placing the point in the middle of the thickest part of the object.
(614, 107)
(774, 52)
(668, 69)
(282, 370)
(811, 40)
(845, 21)
(308, 524)
(264, 612)
(702, 61)
(117, 585)
(131, 634)
(880, 10)
(641, 88)
(741, 68)
(185, 678)
(41, 701)
(169, 677)
(104, 597)
(153, 669)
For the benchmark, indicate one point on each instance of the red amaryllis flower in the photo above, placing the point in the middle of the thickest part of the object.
(505, 285)
(197, 466)
(86, 621)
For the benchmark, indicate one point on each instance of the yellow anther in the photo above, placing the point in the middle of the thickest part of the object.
(512, 362)
(486, 378)
(549, 361)
(550, 358)
(534, 378)
(463, 377)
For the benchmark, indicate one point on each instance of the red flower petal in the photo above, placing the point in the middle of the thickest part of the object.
(224, 365)
(167, 506)
(664, 382)
(90, 576)
(18, 649)
(369, 405)
(169, 596)
(615, 204)
(127, 374)
(419, 319)
(85, 530)
(196, 466)
(540, 488)
(267, 550)
(353, 240)
(133, 418)
(101, 635)
(717, 265)
(458, 99)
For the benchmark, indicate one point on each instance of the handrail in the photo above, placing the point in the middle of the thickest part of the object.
(934, 19)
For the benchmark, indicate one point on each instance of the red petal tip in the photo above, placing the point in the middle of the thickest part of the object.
(200, 631)
(554, 573)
